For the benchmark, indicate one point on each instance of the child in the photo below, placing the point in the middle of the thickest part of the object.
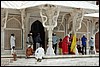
(60, 46)
(13, 52)
(79, 46)
(91, 51)
(29, 51)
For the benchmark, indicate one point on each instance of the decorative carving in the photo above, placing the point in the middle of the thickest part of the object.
(3, 22)
(6, 16)
(49, 12)
(79, 18)
(76, 19)
(70, 23)
(23, 17)
(70, 26)
(96, 28)
(49, 15)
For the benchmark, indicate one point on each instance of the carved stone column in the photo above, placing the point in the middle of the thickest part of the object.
(49, 15)
(76, 17)
(2, 38)
(2, 29)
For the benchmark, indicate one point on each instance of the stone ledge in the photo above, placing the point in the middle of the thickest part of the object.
(53, 57)
(10, 56)
(70, 56)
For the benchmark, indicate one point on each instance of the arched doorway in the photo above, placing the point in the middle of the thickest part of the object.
(37, 27)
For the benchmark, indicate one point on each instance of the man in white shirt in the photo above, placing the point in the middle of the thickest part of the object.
(12, 41)
(39, 53)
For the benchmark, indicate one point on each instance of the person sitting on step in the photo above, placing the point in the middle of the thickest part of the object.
(39, 53)
(29, 51)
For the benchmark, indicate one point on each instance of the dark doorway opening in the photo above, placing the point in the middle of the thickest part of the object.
(37, 27)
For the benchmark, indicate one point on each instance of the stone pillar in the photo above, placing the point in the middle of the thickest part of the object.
(22, 17)
(27, 23)
(6, 16)
(50, 50)
(2, 40)
(76, 19)
(49, 15)
(2, 31)
(87, 34)
(23, 29)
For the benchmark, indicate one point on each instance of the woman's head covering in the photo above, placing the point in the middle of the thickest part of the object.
(29, 45)
(91, 37)
(68, 35)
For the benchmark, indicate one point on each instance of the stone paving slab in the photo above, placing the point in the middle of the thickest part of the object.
(6, 59)
(59, 62)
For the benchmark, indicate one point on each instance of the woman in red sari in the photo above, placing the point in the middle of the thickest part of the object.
(65, 44)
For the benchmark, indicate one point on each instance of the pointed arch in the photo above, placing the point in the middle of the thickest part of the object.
(37, 27)
(13, 23)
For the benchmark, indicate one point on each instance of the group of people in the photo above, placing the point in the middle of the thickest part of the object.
(67, 45)
(63, 44)
(72, 45)
(82, 46)
(39, 52)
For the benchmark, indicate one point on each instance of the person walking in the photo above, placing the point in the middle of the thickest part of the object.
(91, 45)
(13, 52)
(38, 40)
(65, 44)
(54, 42)
(69, 46)
(79, 46)
(73, 49)
(83, 39)
(29, 40)
(12, 41)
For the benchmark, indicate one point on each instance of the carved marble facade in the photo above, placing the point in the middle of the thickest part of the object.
(20, 21)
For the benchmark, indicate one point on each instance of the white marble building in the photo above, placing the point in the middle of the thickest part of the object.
(65, 21)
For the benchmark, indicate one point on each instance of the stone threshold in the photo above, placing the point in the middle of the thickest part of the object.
(54, 57)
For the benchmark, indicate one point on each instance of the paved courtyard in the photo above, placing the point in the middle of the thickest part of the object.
(55, 62)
